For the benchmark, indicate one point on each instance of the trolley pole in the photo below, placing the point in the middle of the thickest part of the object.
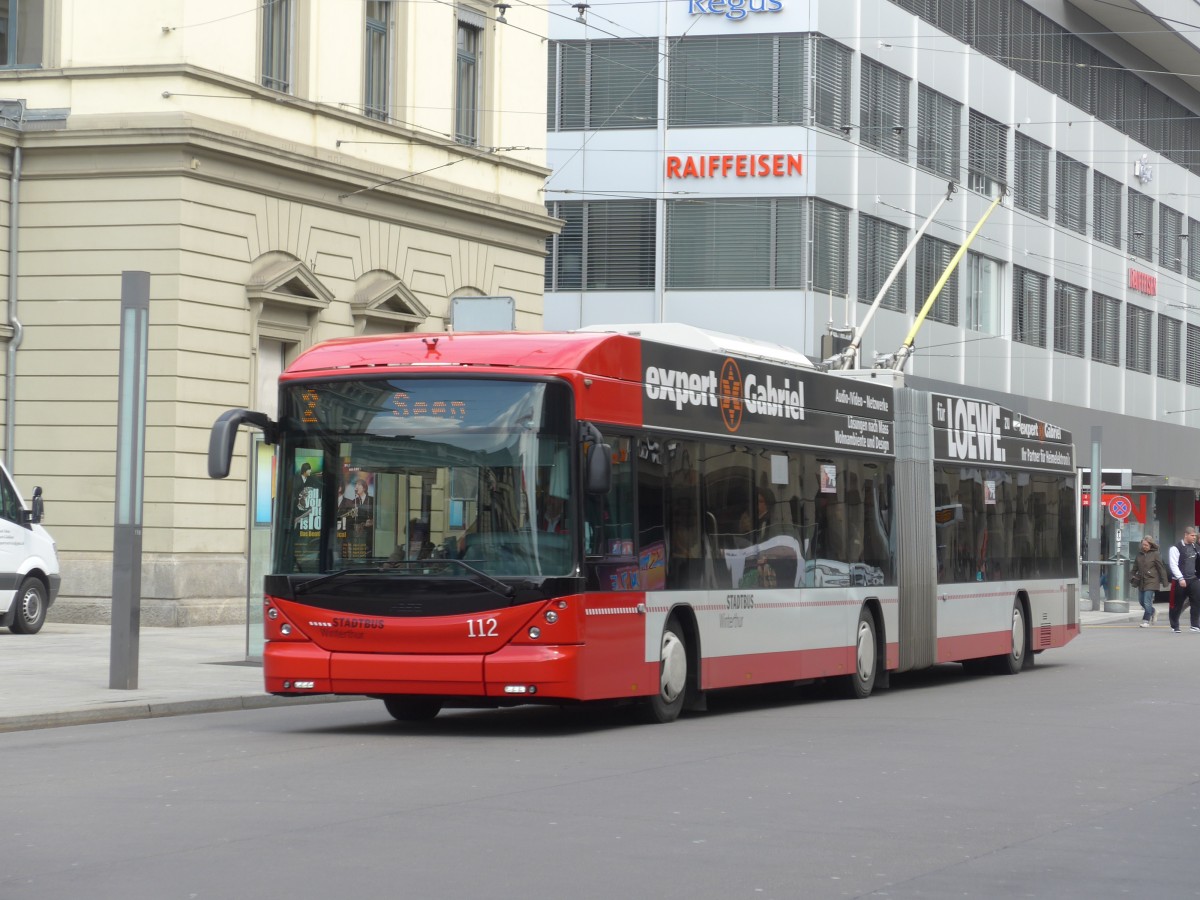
(1095, 595)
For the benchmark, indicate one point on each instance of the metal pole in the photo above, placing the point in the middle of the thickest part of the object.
(1095, 597)
(905, 350)
(849, 356)
(131, 450)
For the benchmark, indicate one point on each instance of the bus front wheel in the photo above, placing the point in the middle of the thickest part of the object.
(666, 705)
(412, 709)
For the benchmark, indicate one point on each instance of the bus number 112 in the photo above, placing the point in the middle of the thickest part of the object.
(477, 628)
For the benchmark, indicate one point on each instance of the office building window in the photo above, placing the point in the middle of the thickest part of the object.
(883, 109)
(938, 132)
(932, 257)
(377, 60)
(987, 146)
(880, 245)
(1193, 355)
(1170, 238)
(1106, 210)
(605, 245)
(1106, 329)
(602, 84)
(1031, 188)
(792, 242)
(21, 21)
(1193, 248)
(1137, 338)
(1068, 318)
(466, 80)
(1170, 330)
(1029, 307)
(1070, 194)
(985, 293)
(277, 36)
(1141, 225)
(758, 79)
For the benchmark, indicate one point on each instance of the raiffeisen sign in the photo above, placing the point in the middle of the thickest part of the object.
(734, 165)
(733, 9)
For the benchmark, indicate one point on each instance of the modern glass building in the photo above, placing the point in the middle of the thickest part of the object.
(758, 166)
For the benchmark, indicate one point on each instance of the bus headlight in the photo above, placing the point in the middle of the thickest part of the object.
(535, 632)
(551, 616)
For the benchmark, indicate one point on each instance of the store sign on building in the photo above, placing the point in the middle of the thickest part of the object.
(734, 165)
(733, 9)
(1143, 283)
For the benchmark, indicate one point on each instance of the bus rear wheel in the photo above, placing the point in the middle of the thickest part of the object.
(1014, 661)
(412, 709)
(667, 704)
(859, 683)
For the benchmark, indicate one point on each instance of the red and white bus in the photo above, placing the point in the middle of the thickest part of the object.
(506, 518)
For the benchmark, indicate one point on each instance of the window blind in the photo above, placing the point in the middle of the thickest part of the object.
(1106, 210)
(1137, 338)
(938, 132)
(1068, 318)
(883, 109)
(1169, 333)
(1029, 307)
(1141, 225)
(1032, 182)
(880, 244)
(1070, 200)
(1106, 329)
(932, 257)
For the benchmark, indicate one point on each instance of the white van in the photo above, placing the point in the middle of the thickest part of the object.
(29, 575)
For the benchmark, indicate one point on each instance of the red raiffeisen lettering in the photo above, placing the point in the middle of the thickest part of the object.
(735, 165)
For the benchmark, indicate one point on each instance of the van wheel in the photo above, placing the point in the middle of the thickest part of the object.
(30, 608)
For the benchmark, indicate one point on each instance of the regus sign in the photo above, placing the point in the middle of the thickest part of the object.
(733, 9)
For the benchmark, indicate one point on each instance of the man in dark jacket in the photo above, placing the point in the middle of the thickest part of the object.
(1149, 576)
(1186, 575)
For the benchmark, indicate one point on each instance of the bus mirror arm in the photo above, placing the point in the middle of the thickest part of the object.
(598, 461)
(224, 433)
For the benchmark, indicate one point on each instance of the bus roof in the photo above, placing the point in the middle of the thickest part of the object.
(599, 348)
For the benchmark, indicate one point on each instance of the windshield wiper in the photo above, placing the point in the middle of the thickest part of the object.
(495, 585)
(306, 586)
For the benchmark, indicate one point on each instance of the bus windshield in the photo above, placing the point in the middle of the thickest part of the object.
(410, 474)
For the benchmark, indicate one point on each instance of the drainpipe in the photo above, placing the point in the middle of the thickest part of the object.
(10, 377)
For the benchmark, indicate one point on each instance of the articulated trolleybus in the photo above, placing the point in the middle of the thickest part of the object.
(495, 519)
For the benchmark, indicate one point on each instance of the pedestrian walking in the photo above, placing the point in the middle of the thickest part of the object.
(1182, 560)
(1149, 576)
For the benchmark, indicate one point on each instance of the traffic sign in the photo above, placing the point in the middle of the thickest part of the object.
(1119, 507)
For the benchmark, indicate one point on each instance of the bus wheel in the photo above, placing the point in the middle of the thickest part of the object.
(412, 709)
(858, 684)
(1012, 662)
(30, 608)
(666, 705)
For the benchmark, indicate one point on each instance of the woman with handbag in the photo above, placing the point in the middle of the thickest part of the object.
(1148, 576)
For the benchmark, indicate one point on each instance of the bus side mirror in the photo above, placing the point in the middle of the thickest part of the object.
(598, 474)
(36, 514)
(224, 433)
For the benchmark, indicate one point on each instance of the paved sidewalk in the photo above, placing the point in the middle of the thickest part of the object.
(60, 676)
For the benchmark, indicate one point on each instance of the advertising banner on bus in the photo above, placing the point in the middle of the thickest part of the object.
(692, 390)
(978, 431)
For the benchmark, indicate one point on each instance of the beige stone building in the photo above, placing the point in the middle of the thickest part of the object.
(286, 173)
